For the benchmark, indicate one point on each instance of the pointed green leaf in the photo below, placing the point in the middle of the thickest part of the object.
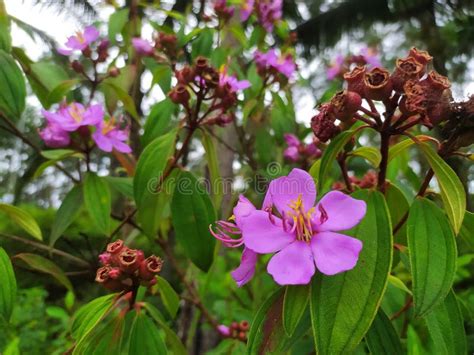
(41, 264)
(158, 121)
(145, 337)
(216, 185)
(90, 314)
(371, 154)
(344, 305)
(192, 213)
(12, 88)
(117, 21)
(66, 214)
(446, 327)
(168, 295)
(5, 37)
(452, 190)
(7, 286)
(23, 219)
(294, 305)
(432, 255)
(97, 201)
(124, 185)
(382, 338)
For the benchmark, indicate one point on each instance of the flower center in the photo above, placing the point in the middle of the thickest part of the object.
(76, 113)
(299, 220)
(80, 37)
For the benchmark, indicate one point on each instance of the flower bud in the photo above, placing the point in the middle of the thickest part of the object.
(105, 258)
(244, 325)
(346, 104)
(223, 330)
(378, 85)
(103, 51)
(355, 80)
(150, 267)
(323, 124)
(115, 273)
(225, 119)
(129, 260)
(291, 154)
(114, 72)
(77, 66)
(179, 95)
(406, 69)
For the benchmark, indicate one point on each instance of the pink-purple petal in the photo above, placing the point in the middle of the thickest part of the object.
(342, 212)
(91, 34)
(293, 265)
(246, 269)
(243, 209)
(334, 252)
(287, 189)
(264, 234)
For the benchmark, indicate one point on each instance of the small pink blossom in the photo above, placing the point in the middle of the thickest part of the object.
(70, 118)
(224, 330)
(371, 57)
(80, 41)
(298, 150)
(269, 12)
(232, 81)
(302, 235)
(246, 10)
(336, 67)
(270, 60)
(108, 137)
(142, 46)
(54, 136)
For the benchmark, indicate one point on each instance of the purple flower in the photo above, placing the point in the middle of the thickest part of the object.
(291, 140)
(270, 60)
(142, 46)
(54, 136)
(232, 81)
(224, 330)
(304, 235)
(246, 9)
(80, 41)
(336, 67)
(108, 137)
(70, 118)
(269, 12)
(292, 154)
(370, 57)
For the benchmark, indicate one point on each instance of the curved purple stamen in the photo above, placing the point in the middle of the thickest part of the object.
(224, 232)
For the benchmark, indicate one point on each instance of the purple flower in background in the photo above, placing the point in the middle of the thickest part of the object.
(70, 118)
(291, 140)
(269, 12)
(108, 137)
(336, 67)
(270, 60)
(224, 330)
(246, 10)
(232, 81)
(298, 150)
(54, 136)
(304, 235)
(370, 56)
(80, 41)
(142, 46)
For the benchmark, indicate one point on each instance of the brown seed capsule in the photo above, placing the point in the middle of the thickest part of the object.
(185, 75)
(115, 247)
(150, 267)
(129, 260)
(406, 69)
(323, 123)
(244, 326)
(421, 56)
(346, 104)
(201, 64)
(355, 80)
(378, 85)
(179, 95)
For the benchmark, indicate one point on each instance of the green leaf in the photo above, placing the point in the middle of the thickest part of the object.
(172, 340)
(414, 345)
(267, 335)
(66, 214)
(344, 305)
(466, 229)
(452, 190)
(400, 147)
(294, 305)
(382, 338)
(168, 295)
(192, 213)
(330, 154)
(149, 174)
(216, 185)
(162, 75)
(371, 154)
(398, 206)
(23, 219)
(124, 185)
(90, 314)
(395, 281)
(97, 201)
(282, 118)
(123, 96)
(44, 78)
(116, 23)
(7, 286)
(158, 121)
(202, 46)
(41, 264)
(57, 154)
(60, 90)
(145, 337)
(12, 88)
(5, 37)
(446, 327)
(432, 255)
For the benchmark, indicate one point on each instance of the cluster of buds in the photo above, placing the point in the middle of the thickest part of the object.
(235, 330)
(223, 12)
(268, 12)
(166, 43)
(368, 181)
(298, 151)
(208, 84)
(124, 268)
(411, 95)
